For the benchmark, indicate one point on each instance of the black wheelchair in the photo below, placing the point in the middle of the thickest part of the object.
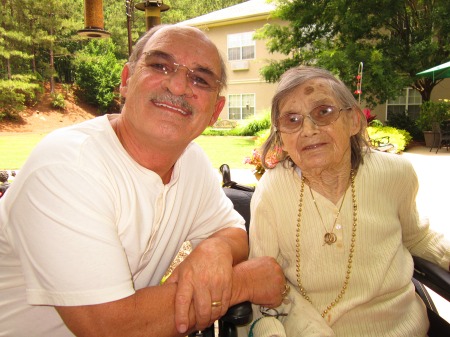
(425, 274)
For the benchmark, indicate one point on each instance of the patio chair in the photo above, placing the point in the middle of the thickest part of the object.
(440, 137)
(425, 273)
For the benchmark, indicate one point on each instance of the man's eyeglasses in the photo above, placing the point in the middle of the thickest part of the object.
(160, 63)
(320, 116)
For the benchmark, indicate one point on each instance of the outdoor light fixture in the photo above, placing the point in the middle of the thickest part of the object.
(93, 20)
(153, 9)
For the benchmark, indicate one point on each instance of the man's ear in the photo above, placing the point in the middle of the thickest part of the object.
(124, 80)
(220, 103)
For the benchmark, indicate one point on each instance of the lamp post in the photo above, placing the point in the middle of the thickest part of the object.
(93, 20)
(153, 9)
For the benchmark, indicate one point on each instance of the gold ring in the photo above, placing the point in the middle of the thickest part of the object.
(286, 290)
(216, 304)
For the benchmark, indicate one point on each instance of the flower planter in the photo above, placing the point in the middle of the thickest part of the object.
(257, 175)
(429, 137)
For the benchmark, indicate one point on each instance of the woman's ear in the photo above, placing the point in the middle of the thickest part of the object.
(355, 121)
(124, 80)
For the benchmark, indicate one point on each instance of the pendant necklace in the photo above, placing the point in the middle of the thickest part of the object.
(329, 238)
(351, 250)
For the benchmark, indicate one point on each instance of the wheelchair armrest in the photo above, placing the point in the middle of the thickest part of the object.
(431, 275)
(239, 314)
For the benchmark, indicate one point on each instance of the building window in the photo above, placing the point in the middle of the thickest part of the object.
(241, 46)
(241, 106)
(410, 101)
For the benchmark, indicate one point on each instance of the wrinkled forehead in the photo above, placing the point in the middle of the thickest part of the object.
(187, 45)
(316, 89)
(309, 94)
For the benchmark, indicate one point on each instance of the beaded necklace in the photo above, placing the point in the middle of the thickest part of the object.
(350, 255)
(329, 238)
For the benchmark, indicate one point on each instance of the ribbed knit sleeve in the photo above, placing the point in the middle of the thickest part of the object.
(273, 205)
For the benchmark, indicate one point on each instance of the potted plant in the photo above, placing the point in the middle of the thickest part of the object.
(255, 159)
(432, 112)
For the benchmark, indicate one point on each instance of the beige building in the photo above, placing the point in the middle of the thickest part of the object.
(248, 94)
(231, 29)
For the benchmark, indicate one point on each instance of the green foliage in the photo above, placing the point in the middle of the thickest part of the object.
(249, 127)
(394, 40)
(261, 137)
(376, 122)
(433, 112)
(399, 138)
(252, 127)
(97, 74)
(210, 131)
(38, 36)
(58, 101)
(405, 122)
(15, 94)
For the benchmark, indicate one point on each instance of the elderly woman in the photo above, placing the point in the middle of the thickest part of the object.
(339, 218)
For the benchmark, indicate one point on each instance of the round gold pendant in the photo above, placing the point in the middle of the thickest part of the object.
(330, 238)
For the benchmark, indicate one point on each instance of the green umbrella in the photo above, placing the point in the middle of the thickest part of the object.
(438, 72)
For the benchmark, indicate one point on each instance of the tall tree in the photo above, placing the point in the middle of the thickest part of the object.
(13, 40)
(394, 39)
(125, 23)
(51, 17)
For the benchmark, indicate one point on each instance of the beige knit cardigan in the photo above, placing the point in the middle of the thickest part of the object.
(380, 298)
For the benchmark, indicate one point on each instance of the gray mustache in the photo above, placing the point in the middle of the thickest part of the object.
(175, 100)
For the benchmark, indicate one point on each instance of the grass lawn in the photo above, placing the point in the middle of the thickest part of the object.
(229, 150)
(15, 149)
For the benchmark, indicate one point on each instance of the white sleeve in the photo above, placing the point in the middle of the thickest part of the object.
(64, 230)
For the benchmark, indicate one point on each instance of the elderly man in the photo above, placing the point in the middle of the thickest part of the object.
(100, 209)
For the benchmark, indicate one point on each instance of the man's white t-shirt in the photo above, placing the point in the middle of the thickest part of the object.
(84, 224)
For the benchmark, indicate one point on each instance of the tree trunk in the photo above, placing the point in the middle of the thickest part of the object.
(52, 65)
(425, 86)
(8, 68)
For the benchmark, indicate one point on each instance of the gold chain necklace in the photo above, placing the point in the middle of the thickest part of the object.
(329, 238)
(350, 255)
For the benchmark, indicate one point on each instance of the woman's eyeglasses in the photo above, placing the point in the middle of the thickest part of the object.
(320, 116)
(162, 64)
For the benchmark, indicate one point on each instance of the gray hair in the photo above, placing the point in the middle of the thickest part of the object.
(140, 45)
(290, 80)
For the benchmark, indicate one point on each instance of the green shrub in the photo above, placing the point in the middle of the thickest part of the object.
(209, 131)
(255, 125)
(433, 112)
(405, 122)
(16, 94)
(58, 101)
(262, 136)
(97, 74)
(399, 138)
(249, 127)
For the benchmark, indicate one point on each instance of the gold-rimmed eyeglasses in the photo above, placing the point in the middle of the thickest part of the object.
(163, 64)
(321, 115)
